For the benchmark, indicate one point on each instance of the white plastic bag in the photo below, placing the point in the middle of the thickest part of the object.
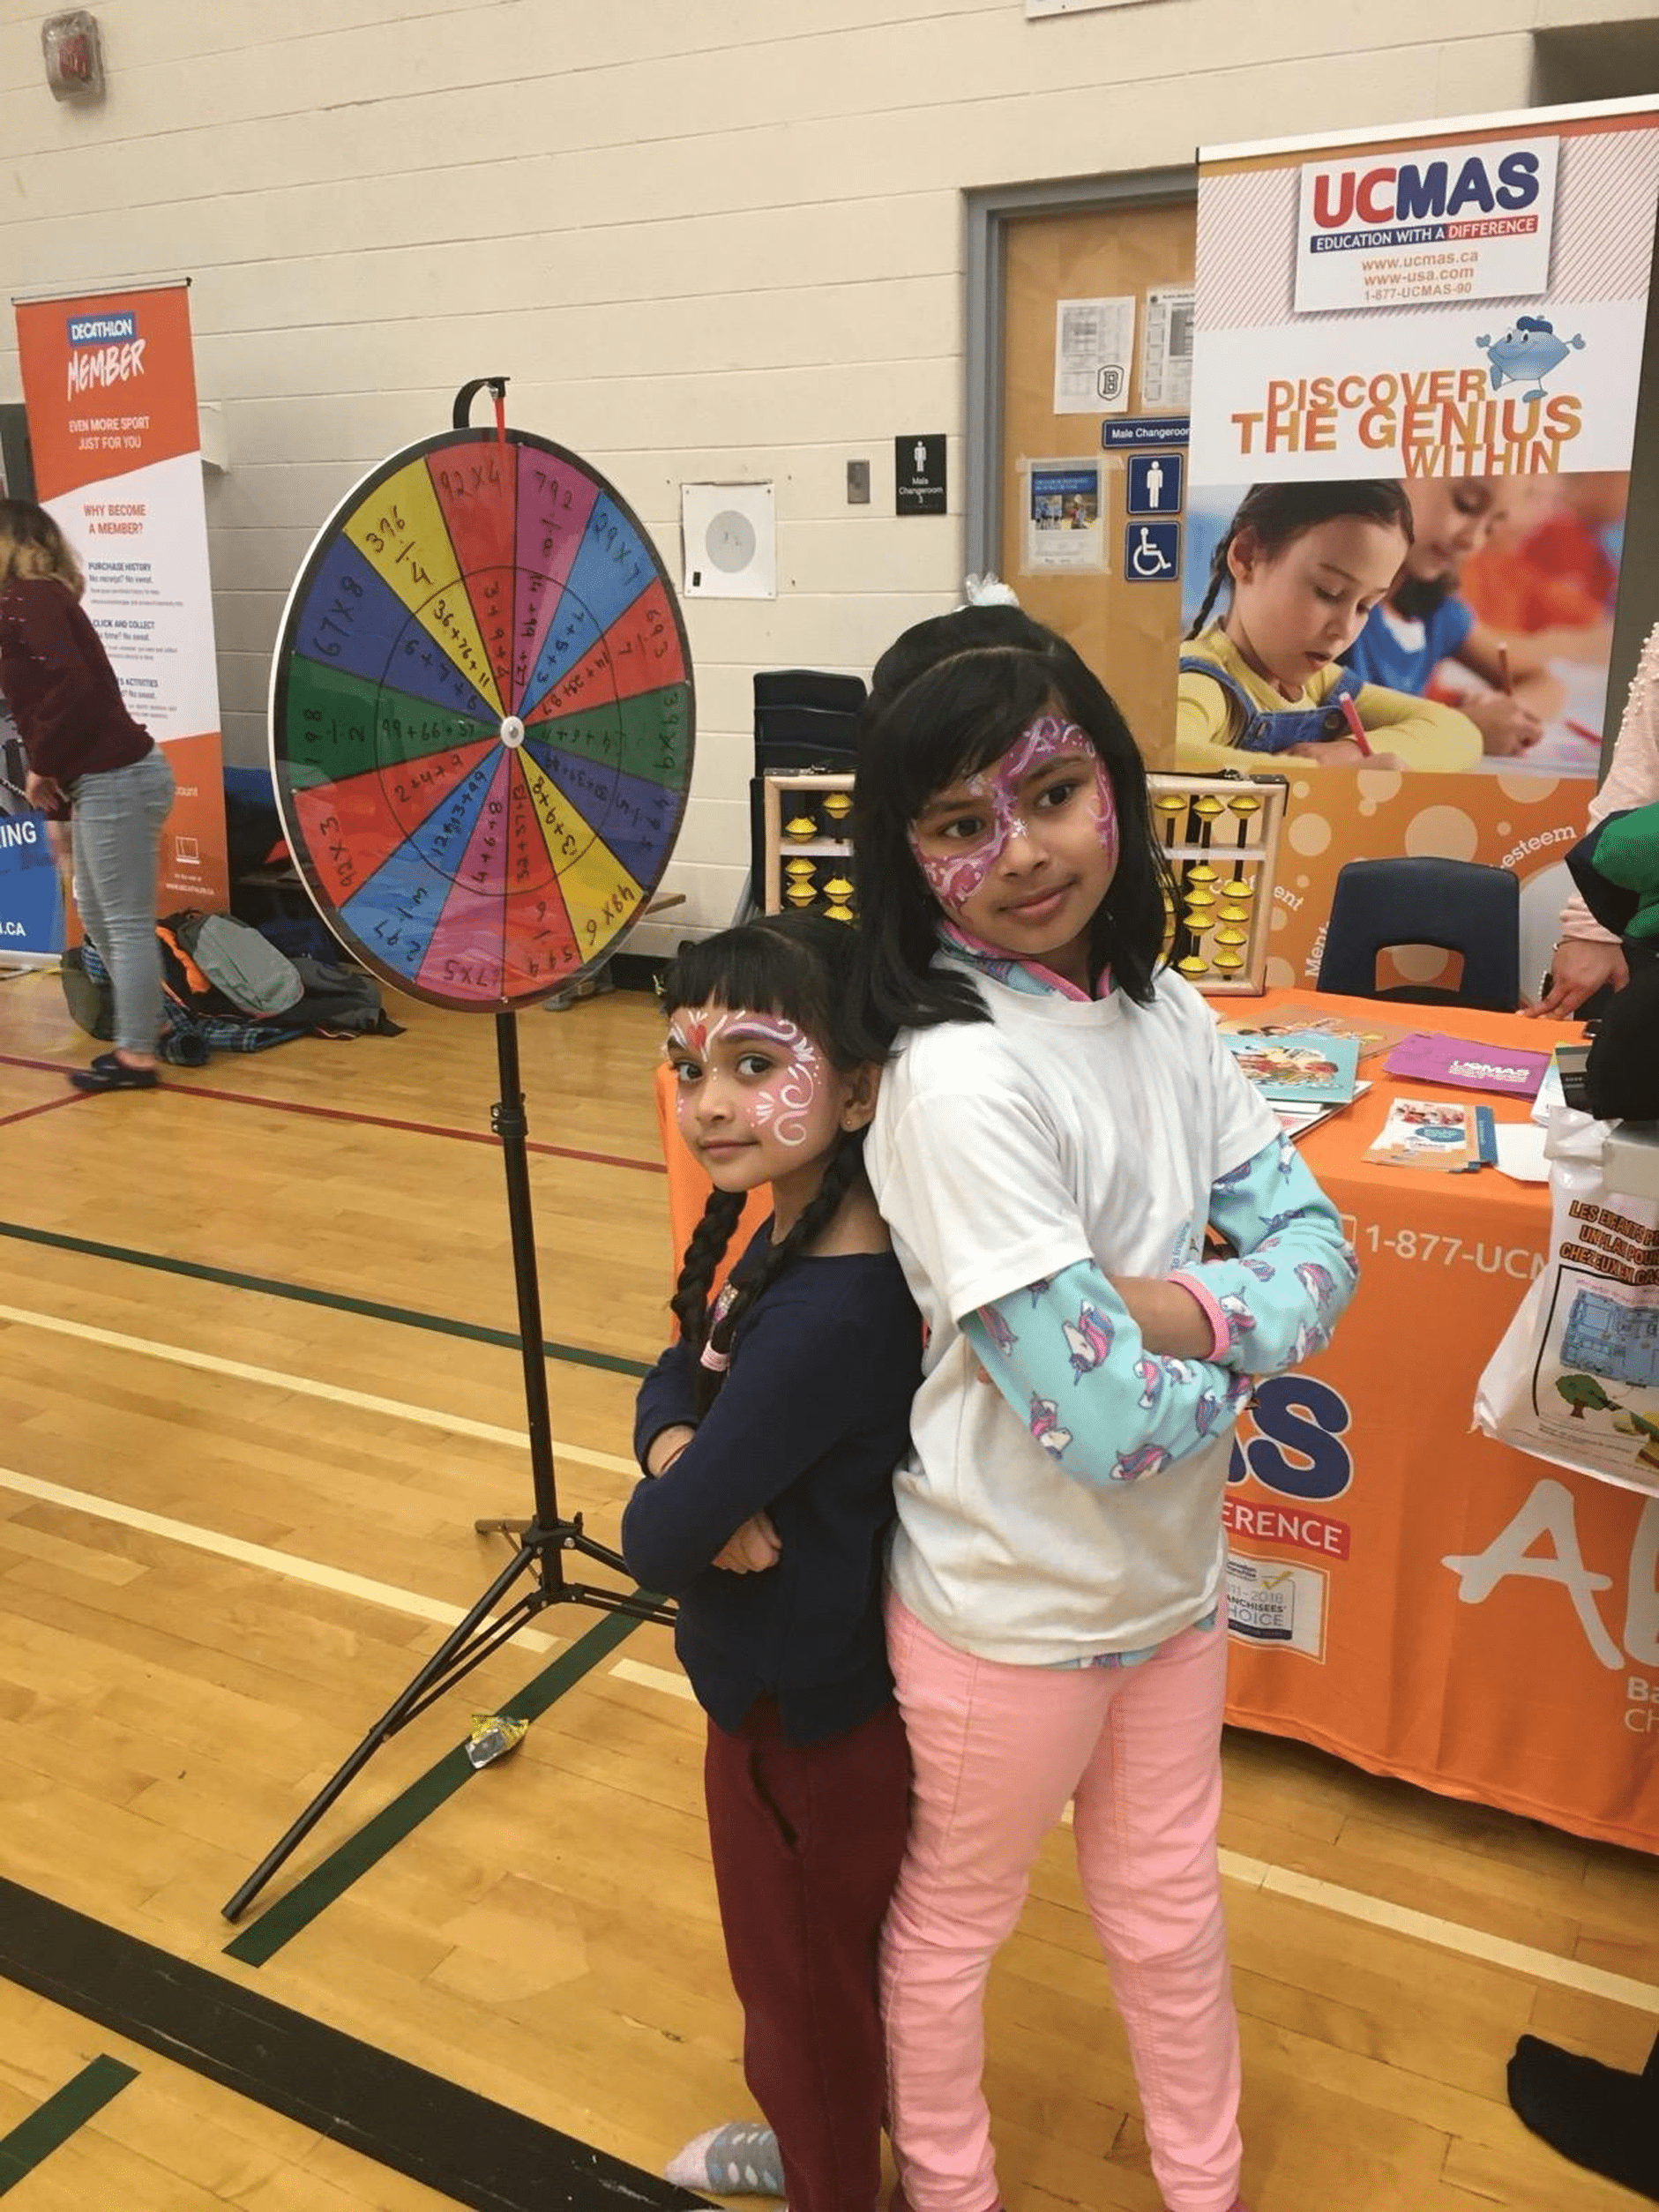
(1576, 1378)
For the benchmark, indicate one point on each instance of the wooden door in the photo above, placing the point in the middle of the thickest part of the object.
(1129, 631)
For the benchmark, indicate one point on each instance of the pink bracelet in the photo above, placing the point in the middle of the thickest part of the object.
(1220, 1335)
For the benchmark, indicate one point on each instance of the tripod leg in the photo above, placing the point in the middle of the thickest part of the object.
(441, 1665)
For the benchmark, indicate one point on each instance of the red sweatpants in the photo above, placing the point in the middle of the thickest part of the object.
(807, 1843)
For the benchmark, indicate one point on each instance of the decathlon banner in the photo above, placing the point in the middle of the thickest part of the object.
(1452, 313)
(110, 390)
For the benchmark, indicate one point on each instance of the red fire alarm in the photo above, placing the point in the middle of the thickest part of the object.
(74, 59)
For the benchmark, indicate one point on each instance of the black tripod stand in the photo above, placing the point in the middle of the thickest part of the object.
(544, 1539)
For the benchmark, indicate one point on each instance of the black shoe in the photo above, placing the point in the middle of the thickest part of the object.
(109, 1072)
(1591, 2113)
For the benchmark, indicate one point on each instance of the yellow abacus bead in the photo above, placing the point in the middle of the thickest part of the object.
(800, 825)
(800, 894)
(1192, 966)
(838, 804)
(1239, 889)
(1200, 872)
(1232, 937)
(797, 867)
(838, 888)
(1208, 808)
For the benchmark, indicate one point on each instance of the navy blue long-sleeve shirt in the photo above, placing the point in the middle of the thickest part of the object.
(809, 1426)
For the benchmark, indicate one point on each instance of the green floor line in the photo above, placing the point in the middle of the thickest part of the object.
(405, 1316)
(50, 2127)
(324, 1884)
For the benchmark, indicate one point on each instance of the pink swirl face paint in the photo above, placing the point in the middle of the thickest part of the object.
(956, 869)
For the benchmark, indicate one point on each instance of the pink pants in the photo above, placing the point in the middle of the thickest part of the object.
(995, 1751)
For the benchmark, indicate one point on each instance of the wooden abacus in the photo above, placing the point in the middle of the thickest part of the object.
(1219, 835)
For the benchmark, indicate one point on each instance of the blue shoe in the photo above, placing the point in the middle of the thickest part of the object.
(109, 1072)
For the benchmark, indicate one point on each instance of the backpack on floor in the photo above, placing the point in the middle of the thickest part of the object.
(90, 1000)
(247, 967)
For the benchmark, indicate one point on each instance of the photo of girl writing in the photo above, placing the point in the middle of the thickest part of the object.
(1302, 566)
(1058, 1125)
(1425, 624)
(768, 1433)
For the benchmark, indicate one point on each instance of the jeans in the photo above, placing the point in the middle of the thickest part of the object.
(997, 1749)
(117, 816)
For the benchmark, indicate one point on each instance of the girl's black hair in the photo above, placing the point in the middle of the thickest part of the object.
(946, 699)
(799, 965)
(1280, 513)
(1417, 597)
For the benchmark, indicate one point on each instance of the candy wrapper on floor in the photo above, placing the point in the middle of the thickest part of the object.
(492, 1736)
(1576, 1378)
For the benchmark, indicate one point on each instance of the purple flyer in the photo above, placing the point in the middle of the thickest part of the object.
(1423, 1057)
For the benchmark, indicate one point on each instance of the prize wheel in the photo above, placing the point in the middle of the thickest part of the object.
(482, 720)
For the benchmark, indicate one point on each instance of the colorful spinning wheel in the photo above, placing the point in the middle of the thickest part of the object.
(482, 720)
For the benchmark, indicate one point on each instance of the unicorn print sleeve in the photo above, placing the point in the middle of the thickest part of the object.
(1296, 1270)
(1067, 1358)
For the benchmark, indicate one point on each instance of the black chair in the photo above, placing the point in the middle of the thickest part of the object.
(806, 720)
(1454, 905)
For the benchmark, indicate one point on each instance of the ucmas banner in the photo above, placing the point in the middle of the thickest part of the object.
(1416, 370)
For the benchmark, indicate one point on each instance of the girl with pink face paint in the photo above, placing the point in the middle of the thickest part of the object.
(1057, 1128)
(768, 1434)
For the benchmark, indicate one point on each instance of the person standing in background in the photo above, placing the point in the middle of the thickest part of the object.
(88, 759)
(1586, 957)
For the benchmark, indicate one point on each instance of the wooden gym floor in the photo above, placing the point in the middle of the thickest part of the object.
(259, 1381)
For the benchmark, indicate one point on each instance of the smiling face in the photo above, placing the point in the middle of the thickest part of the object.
(1297, 609)
(1451, 518)
(756, 1101)
(1020, 855)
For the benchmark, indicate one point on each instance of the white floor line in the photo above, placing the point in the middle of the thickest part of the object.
(1446, 1935)
(1258, 1874)
(306, 1386)
(256, 1555)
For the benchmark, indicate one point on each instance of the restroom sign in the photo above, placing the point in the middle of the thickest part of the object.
(1155, 483)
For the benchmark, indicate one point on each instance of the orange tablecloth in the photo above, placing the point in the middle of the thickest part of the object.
(1407, 1593)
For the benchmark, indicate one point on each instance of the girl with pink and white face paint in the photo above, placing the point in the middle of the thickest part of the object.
(1024, 850)
(768, 1433)
(756, 1099)
(1056, 1126)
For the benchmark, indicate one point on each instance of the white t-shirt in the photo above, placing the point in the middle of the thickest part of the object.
(1002, 1152)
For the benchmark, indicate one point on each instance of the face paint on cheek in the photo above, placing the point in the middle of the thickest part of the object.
(781, 1102)
(1105, 812)
(955, 877)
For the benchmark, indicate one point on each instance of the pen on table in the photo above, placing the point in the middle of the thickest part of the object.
(1504, 684)
(1350, 715)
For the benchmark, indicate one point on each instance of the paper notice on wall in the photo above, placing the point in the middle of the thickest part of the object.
(1064, 528)
(1093, 345)
(1166, 348)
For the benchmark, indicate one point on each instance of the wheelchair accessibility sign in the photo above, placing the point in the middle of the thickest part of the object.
(1152, 553)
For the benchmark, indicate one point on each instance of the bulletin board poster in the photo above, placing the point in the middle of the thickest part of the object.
(110, 391)
(1454, 310)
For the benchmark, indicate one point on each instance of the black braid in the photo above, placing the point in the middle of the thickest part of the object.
(1218, 573)
(703, 1254)
(840, 1175)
